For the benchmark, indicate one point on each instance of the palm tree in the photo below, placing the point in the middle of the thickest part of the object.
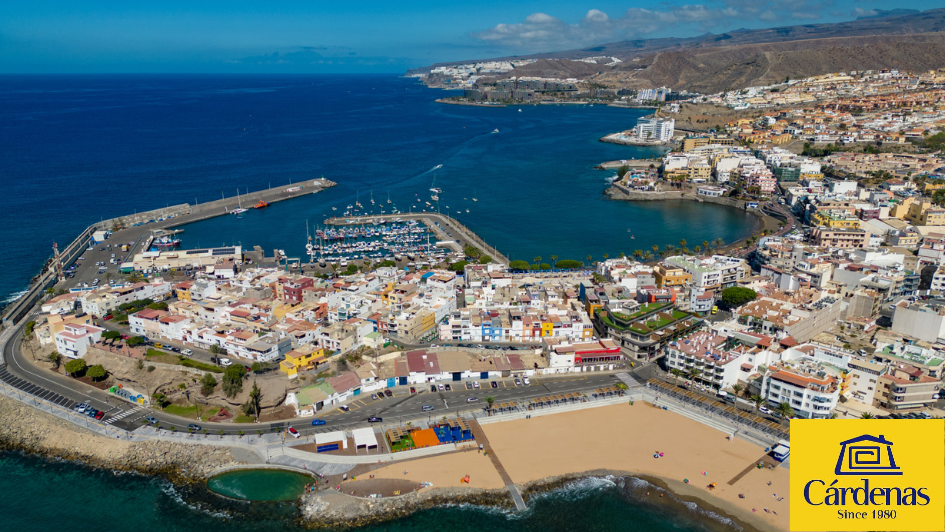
(638, 253)
(736, 390)
(682, 243)
(255, 399)
(621, 387)
(554, 260)
(589, 261)
(758, 400)
(489, 401)
(785, 410)
(656, 248)
(866, 415)
(718, 243)
(705, 245)
(676, 373)
(693, 373)
(648, 256)
(606, 256)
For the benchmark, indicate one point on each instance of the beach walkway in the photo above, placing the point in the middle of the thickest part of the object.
(765, 459)
(481, 438)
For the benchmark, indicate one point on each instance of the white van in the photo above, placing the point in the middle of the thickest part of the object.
(226, 362)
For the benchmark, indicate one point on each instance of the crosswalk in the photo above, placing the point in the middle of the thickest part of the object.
(628, 379)
(123, 414)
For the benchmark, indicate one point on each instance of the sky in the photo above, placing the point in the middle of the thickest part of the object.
(237, 36)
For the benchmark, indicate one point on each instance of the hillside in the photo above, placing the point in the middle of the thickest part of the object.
(711, 63)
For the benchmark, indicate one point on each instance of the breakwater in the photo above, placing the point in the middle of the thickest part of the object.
(135, 227)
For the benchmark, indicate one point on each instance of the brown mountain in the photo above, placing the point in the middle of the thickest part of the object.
(741, 58)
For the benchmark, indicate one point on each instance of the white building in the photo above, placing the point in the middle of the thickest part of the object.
(655, 129)
(810, 391)
(74, 340)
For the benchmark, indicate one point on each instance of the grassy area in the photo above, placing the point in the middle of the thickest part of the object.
(639, 331)
(662, 322)
(153, 355)
(243, 418)
(198, 365)
(182, 411)
(648, 308)
(678, 314)
(404, 444)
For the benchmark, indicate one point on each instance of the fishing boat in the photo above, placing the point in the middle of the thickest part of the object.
(166, 242)
(262, 204)
(434, 197)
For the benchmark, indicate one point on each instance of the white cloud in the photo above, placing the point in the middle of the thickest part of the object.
(541, 31)
(860, 12)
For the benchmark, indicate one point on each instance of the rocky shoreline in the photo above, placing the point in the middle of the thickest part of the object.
(328, 509)
(32, 431)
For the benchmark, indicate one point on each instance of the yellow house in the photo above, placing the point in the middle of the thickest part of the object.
(932, 187)
(301, 359)
(670, 276)
(901, 210)
(833, 222)
(182, 291)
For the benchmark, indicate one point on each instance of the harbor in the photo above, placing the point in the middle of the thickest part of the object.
(139, 231)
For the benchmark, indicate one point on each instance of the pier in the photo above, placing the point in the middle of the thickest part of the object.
(443, 227)
(125, 230)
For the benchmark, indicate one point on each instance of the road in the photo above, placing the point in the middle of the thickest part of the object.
(19, 372)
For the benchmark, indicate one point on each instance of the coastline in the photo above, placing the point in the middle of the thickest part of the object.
(762, 220)
(470, 104)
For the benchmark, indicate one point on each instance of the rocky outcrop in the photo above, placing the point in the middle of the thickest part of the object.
(28, 429)
(330, 509)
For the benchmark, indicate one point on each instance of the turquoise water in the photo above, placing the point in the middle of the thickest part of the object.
(77, 149)
(42, 495)
(260, 484)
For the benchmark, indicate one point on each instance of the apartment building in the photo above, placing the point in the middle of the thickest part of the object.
(838, 238)
(806, 386)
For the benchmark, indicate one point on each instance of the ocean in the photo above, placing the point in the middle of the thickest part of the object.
(71, 497)
(78, 149)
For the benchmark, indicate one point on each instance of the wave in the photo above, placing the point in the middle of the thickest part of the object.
(171, 491)
(14, 296)
(634, 484)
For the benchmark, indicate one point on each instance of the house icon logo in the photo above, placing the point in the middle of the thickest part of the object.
(867, 455)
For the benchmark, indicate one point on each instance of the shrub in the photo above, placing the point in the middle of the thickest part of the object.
(233, 380)
(568, 264)
(519, 265)
(459, 266)
(96, 372)
(737, 296)
(75, 366)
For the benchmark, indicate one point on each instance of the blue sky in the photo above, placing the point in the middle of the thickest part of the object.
(51, 36)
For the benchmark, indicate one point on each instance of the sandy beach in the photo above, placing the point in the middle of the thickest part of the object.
(621, 438)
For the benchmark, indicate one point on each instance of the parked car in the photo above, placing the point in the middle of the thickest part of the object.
(80, 408)
(151, 419)
(413, 390)
(518, 382)
(99, 414)
(476, 384)
(449, 388)
(495, 384)
(293, 432)
(108, 317)
(225, 362)
(440, 387)
(375, 419)
(91, 412)
(317, 422)
(433, 387)
(344, 408)
(388, 393)
(374, 396)
(186, 352)
(193, 426)
(525, 380)
(160, 346)
(764, 410)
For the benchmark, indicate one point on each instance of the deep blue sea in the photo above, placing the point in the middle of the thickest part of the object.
(76, 149)
(66, 497)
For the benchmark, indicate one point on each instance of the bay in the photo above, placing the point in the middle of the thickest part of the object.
(77, 149)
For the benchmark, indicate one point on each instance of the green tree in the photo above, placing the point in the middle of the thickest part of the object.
(233, 379)
(490, 400)
(567, 264)
(622, 171)
(785, 410)
(216, 350)
(518, 265)
(255, 399)
(55, 358)
(207, 384)
(676, 373)
(638, 253)
(537, 260)
(758, 400)
(736, 296)
(76, 366)
(693, 375)
(718, 243)
(621, 387)
(459, 266)
(866, 415)
(134, 341)
(682, 243)
(736, 390)
(705, 245)
(158, 306)
(96, 372)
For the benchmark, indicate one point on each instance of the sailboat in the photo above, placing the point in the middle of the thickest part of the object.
(474, 196)
(240, 210)
(433, 186)
(372, 196)
(388, 197)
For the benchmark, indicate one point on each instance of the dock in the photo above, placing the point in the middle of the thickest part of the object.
(444, 227)
(139, 228)
(632, 163)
